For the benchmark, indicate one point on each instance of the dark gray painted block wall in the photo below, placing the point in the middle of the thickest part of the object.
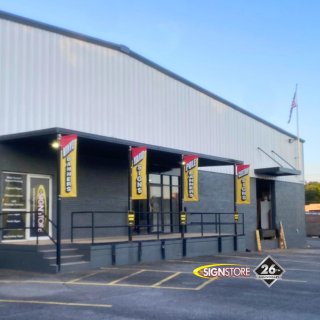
(216, 195)
(127, 253)
(290, 210)
(250, 217)
(102, 185)
(97, 256)
(29, 159)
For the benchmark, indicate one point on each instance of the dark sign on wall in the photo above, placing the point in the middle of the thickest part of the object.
(16, 221)
(39, 198)
(14, 191)
(13, 200)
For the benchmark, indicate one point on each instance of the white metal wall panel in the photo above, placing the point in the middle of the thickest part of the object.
(49, 80)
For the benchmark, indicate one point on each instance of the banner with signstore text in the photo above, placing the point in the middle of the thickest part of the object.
(139, 173)
(190, 176)
(68, 167)
(243, 184)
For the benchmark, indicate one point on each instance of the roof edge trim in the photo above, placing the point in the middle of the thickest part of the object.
(56, 130)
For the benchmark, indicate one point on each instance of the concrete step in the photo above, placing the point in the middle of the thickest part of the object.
(52, 246)
(64, 252)
(52, 269)
(270, 244)
(67, 259)
(74, 266)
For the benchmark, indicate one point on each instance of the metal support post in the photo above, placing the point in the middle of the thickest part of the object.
(139, 251)
(163, 250)
(129, 190)
(92, 222)
(182, 195)
(113, 248)
(59, 205)
(184, 247)
(235, 240)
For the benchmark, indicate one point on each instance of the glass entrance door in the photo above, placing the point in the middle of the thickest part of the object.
(166, 216)
(162, 203)
(164, 198)
(39, 200)
(155, 199)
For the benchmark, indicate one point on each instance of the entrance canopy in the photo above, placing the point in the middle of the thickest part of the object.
(277, 171)
(161, 157)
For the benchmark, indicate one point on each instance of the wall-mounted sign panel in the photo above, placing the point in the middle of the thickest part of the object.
(14, 203)
(14, 191)
(39, 205)
(139, 173)
(243, 184)
(26, 202)
(68, 170)
(190, 176)
(16, 221)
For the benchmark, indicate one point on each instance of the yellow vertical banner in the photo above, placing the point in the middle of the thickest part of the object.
(68, 167)
(190, 176)
(243, 184)
(139, 173)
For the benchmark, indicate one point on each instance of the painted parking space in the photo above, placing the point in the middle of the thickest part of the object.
(188, 281)
(70, 304)
(136, 291)
(148, 278)
(129, 277)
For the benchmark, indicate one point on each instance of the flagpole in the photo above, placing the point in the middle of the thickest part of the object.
(299, 158)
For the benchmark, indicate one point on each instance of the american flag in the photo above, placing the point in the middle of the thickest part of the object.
(293, 105)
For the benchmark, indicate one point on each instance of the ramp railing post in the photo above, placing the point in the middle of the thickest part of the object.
(139, 251)
(113, 252)
(163, 250)
(184, 247)
(92, 228)
(219, 244)
(37, 230)
(71, 227)
(158, 225)
(201, 225)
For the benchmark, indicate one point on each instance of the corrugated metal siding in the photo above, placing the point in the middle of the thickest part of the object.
(49, 80)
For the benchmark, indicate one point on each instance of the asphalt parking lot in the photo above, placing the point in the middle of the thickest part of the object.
(169, 290)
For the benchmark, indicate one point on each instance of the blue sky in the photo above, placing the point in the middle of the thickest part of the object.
(251, 53)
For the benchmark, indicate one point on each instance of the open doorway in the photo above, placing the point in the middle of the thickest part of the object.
(265, 204)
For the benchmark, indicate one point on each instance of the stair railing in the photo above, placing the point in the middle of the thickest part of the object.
(24, 228)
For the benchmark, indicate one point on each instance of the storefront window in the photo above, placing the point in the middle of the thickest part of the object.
(155, 178)
(175, 181)
(166, 180)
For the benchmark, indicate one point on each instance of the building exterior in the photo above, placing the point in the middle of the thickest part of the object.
(54, 81)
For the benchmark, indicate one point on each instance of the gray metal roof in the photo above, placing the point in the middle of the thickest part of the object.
(126, 50)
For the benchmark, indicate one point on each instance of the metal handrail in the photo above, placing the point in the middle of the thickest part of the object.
(34, 228)
(217, 223)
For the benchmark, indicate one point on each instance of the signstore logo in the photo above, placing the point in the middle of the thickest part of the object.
(212, 272)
